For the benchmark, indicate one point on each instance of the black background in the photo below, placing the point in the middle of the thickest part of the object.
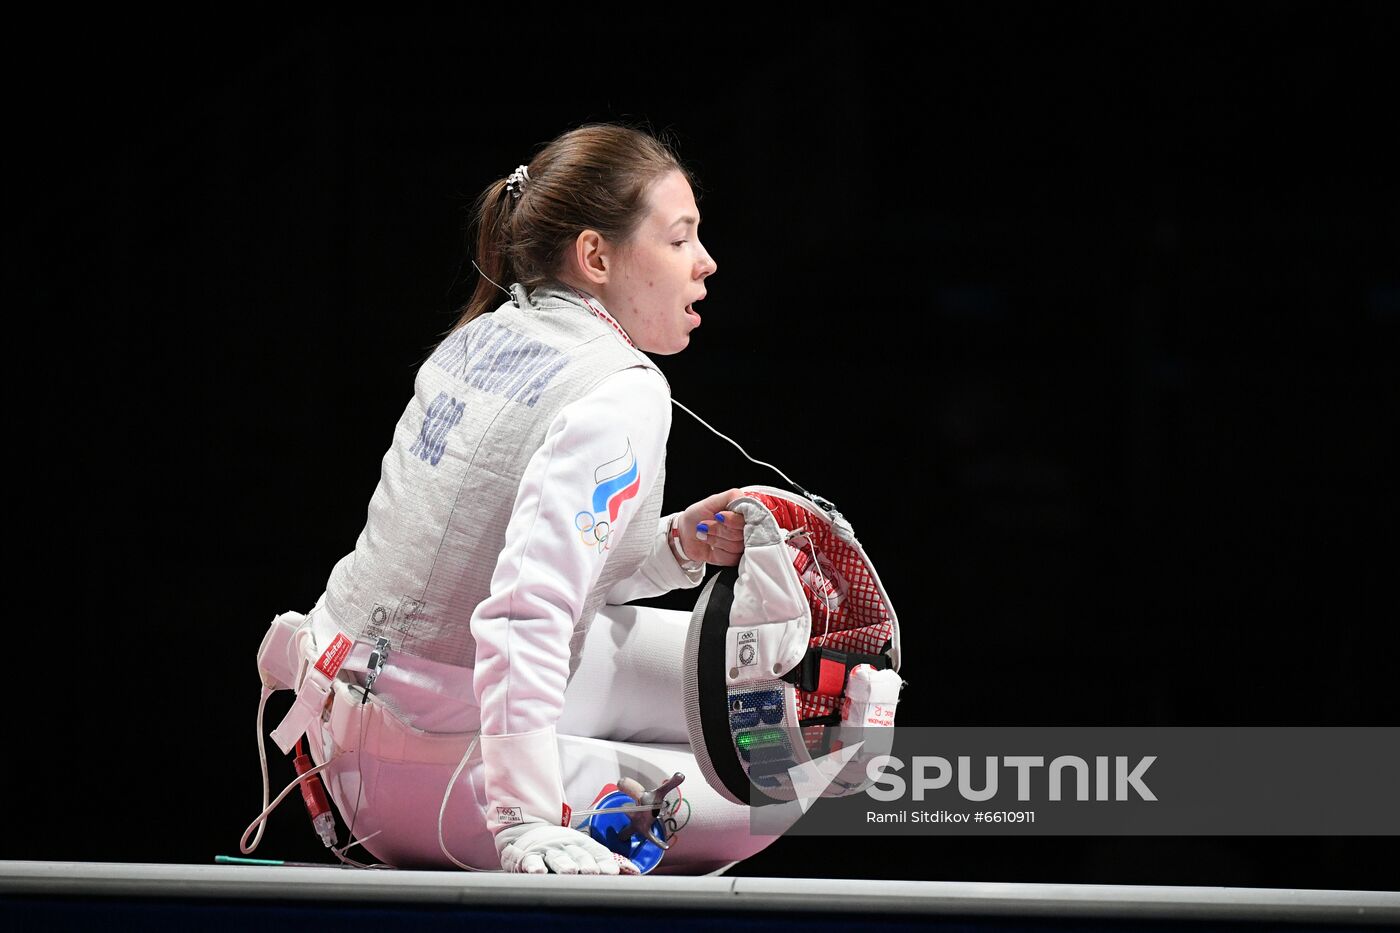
(1085, 317)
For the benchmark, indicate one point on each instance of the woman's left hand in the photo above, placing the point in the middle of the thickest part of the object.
(722, 529)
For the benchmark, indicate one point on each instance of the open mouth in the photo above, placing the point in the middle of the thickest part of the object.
(690, 312)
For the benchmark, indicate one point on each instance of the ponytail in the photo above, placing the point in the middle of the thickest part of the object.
(490, 214)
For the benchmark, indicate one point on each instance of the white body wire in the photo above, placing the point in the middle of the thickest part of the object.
(442, 810)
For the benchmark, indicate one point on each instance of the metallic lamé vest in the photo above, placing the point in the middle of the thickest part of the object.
(482, 405)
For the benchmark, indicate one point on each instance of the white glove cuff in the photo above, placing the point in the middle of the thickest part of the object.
(523, 779)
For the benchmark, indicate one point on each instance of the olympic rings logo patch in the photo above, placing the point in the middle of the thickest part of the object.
(592, 532)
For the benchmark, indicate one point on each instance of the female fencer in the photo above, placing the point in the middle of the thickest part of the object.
(518, 511)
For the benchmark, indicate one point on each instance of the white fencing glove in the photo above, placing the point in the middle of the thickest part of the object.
(871, 697)
(526, 813)
(867, 713)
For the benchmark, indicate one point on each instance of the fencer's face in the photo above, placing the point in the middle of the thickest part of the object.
(660, 272)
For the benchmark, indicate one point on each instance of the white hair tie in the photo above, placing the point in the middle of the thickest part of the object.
(516, 183)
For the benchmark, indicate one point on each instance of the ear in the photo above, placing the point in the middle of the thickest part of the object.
(592, 254)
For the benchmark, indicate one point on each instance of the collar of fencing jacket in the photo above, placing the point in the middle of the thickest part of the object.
(557, 296)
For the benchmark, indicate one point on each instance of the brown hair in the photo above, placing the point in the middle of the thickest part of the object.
(594, 177)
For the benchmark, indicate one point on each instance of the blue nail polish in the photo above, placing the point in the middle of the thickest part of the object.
(702, 527)
(719, 518)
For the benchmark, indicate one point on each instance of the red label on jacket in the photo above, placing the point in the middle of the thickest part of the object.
(334, 656)
(567, 813)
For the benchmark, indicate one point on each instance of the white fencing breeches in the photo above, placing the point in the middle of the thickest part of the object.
(622, 717)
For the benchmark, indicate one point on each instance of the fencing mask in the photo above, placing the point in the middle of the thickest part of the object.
(792, 656)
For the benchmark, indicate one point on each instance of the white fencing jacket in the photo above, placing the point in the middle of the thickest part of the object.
(522, 491)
